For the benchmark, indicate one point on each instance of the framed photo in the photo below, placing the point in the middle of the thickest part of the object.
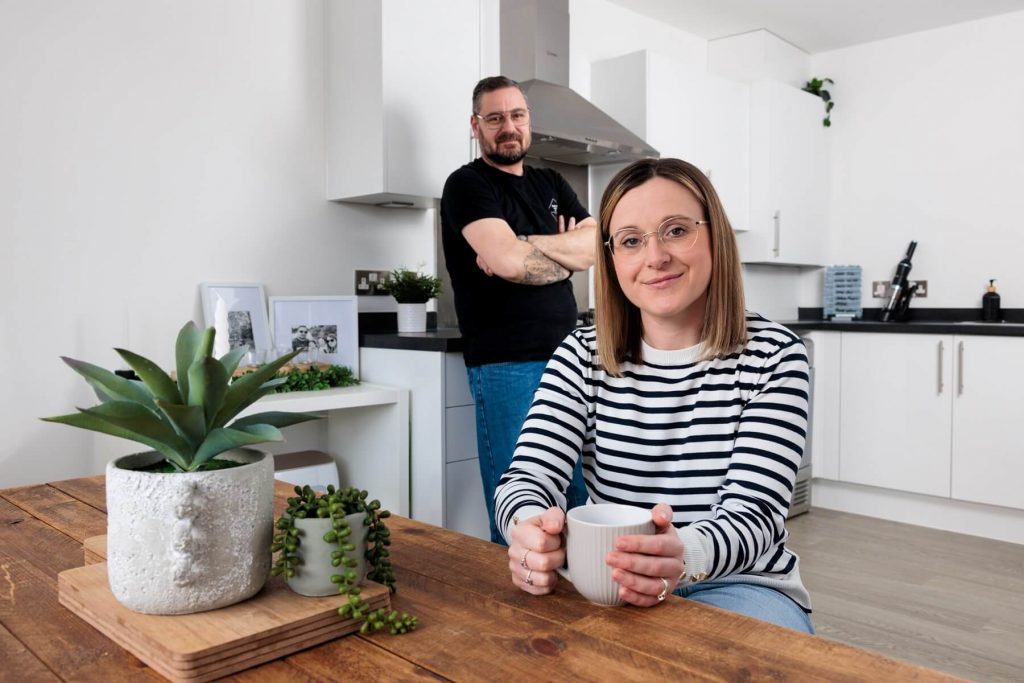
(327, 324)
(238, 311)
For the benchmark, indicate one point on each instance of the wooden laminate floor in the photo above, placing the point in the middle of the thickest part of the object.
(948, 601)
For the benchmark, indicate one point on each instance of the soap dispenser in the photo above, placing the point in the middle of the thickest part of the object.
(990, 304)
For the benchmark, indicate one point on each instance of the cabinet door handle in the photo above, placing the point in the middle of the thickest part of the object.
(777, 218)
(941, 351)
(960, 369)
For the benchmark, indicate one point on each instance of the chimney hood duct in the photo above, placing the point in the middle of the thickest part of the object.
(566, 127)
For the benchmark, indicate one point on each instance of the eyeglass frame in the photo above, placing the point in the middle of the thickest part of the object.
(507, 114)
(646, 236)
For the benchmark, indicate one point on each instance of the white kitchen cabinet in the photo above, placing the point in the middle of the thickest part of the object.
(933, 414)
(444, 473)
(399, 80)
(788, 178)
(988, 454)
(895, 411)
(682, 113)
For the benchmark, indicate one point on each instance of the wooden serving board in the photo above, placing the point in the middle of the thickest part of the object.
(274, 623)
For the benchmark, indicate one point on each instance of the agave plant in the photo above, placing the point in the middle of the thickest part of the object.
(184, 419)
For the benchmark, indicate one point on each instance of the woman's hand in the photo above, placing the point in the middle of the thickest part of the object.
(536, 550)
(646, 567)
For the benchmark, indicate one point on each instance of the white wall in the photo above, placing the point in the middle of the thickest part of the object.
(147, 147)
(927, 143)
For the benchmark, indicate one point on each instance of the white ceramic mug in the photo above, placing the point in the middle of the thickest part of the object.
(590, 534)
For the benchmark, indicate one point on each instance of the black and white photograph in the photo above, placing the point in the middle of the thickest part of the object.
(326, 327)
(238, 312)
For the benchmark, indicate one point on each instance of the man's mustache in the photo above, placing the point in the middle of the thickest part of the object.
(509, 137)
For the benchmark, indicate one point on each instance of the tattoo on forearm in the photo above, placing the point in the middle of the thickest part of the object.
(540, 270)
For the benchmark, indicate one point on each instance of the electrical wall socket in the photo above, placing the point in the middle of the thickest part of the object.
(882, 289)
(368, 282)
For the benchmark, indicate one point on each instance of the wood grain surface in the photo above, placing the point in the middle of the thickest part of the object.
(474, 625)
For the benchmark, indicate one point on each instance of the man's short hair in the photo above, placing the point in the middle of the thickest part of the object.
(490, 84)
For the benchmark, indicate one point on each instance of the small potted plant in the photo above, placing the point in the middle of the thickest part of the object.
(189, 523)
(412, 290)
(325, 544)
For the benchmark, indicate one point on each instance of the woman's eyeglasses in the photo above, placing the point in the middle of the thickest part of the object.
(677, 234)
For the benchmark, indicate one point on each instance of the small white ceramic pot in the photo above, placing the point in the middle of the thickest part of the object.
(313, 576)
(189, 541)
(412, 318)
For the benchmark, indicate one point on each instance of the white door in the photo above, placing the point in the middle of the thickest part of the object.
(988, 453)
(895, 402)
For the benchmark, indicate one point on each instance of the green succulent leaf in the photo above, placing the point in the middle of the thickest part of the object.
(226, 438)
(274, 419)
(249, 388)
(96, 424)
(111, 387)
(232, 358)
(208, 385)
(140, 420)
(159, 382)
(188, 421)
(189, 338)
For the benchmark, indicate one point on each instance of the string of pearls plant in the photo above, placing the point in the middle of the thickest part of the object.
(336, 504)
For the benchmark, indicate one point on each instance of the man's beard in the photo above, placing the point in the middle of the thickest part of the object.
(499, 158)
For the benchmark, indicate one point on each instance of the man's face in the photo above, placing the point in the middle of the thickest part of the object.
(301, 332)
(507, 144)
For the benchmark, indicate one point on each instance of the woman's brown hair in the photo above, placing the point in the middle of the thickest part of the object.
(619, 330)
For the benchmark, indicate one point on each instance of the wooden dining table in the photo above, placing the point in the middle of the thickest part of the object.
(474, 625)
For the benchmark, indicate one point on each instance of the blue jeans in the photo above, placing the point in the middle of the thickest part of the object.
(759, 602)
(503, 393)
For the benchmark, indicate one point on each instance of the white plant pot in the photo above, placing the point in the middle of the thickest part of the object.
(190, 541)
(313, 576)
(412, 318)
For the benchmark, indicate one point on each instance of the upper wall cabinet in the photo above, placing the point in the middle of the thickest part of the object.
(682, 113)
(399, 80)
(788, 178)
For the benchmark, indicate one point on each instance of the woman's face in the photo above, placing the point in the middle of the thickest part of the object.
(668, 284)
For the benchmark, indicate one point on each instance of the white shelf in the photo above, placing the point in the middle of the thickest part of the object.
(360, 396)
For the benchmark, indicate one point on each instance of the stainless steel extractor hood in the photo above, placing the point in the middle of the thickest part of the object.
(567, 128)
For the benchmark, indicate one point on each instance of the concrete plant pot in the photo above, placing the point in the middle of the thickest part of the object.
(313, 576)
(189, 541)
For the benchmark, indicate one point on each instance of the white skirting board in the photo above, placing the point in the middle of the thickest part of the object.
(988, 521)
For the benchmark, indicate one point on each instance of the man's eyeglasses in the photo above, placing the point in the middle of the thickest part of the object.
(495, 120)
(677, 234)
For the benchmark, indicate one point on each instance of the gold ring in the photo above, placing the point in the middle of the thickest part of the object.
(529, 581)
(522, 561)
(664, 590)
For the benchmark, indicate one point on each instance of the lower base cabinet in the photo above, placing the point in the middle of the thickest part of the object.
(444, 474)
(933, 414)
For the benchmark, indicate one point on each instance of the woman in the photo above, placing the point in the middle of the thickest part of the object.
(677, 401)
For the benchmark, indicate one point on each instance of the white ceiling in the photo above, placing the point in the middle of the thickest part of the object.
(817, 25)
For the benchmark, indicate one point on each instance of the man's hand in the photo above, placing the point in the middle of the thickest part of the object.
(482, 265)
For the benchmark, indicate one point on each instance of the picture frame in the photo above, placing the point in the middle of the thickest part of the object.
(238, 313)
(330, 322)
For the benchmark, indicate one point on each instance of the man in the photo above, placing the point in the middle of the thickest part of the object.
(512, 236)
(300, 340)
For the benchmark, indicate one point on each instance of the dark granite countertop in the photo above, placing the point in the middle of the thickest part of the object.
(443, 340)
(921, 321)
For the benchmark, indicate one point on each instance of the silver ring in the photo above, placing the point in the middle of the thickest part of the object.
(529, 581)
(522, 561)
(664, 590)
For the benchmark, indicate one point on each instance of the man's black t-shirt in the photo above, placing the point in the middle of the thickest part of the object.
(502, 321)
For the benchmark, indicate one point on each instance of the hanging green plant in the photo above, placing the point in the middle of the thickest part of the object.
(816, 86)
(336, 505)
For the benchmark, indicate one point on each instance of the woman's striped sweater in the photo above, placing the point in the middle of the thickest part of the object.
(719, 440)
